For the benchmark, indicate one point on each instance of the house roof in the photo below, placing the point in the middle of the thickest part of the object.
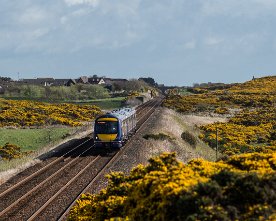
(83, 79)
(95, 80)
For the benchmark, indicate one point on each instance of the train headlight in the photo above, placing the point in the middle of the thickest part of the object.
(96, 138)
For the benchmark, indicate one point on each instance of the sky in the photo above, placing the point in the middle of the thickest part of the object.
(177, 42)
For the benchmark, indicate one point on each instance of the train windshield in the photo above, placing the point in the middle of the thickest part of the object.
(106, 127)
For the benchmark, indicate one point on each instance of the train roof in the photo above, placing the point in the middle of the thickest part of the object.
(123, 113)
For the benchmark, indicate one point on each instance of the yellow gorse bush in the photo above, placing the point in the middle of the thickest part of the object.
(253, 129)
(30, 113)
(11, 151)
(167, 189)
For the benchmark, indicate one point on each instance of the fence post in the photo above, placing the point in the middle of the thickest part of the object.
(216, 142)
(49, 135)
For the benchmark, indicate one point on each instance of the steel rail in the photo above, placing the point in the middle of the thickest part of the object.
(140, 107)
(111, 160)
(61, 190)
(41, 170)
(42, 183)
(38, 172)
(115, 157)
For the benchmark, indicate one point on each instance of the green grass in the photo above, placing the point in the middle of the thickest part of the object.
(33, 139)
(106, 103)
(201, 148)
(184, 92)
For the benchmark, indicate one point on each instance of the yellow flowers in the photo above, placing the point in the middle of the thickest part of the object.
(235, 138)
(10, 151)
(167, 189)
(29, 113)
(250, 130)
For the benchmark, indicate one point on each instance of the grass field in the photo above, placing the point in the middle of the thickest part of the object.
(33, 139)
(105, 104)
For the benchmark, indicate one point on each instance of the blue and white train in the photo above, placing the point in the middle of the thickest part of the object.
(113, 129)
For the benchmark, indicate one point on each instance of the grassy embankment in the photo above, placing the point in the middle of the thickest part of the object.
(33, 139)
(166, 134)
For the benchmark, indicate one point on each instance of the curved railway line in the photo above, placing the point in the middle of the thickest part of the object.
(50, 189)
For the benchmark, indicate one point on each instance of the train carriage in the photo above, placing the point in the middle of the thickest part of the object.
(113, 129)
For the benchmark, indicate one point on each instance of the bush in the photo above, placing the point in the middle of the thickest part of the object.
(189, 138)
(10, 151)
(160, 136)
(166, 189)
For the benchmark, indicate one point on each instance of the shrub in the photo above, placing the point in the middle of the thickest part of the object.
(160, 136)
(189, 138)
(166, 189)
(221, 110)
(29, 113)
(10, 151)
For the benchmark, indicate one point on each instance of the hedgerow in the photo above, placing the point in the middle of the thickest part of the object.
(240, 188)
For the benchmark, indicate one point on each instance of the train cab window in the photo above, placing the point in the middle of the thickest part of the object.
(106, 127)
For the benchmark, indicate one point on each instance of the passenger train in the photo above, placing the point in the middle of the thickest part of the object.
(113, 129)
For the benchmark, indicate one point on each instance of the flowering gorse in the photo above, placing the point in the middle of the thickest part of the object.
(253, 129)
(167, 189)
(30, 113)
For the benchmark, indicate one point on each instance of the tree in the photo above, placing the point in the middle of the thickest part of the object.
(6, 79)
(149, 81)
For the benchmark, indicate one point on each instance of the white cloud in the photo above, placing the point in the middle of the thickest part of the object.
(37, 33)
(190, 44)
(210, 41)
(93, 3)
(238, 8)
(32, 16)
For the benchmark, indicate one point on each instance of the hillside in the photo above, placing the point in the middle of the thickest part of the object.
(250, 108)
(239, 186)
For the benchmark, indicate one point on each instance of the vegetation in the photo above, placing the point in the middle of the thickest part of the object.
(240, 188)
(189, 138)
(33, 139)
(160, 136)
(251, 130)
(131, 85)
(10, 151)
(56, 93)
(105, 104)
(29, 113)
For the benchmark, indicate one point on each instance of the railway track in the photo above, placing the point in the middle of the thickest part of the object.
(49, 193)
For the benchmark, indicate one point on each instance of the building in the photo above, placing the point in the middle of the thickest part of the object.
(82, 80)
(96, 80)
(1, 90)
(39, 81)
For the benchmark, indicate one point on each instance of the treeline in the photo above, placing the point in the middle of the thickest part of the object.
(56, 93)
(74, 92)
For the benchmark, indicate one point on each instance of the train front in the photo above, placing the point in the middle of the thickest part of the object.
(107, 131)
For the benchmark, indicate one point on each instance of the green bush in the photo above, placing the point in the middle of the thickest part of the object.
(57, 93)
(160, 136)
(189, 138)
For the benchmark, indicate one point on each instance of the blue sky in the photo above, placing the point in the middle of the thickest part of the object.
(177, 42)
